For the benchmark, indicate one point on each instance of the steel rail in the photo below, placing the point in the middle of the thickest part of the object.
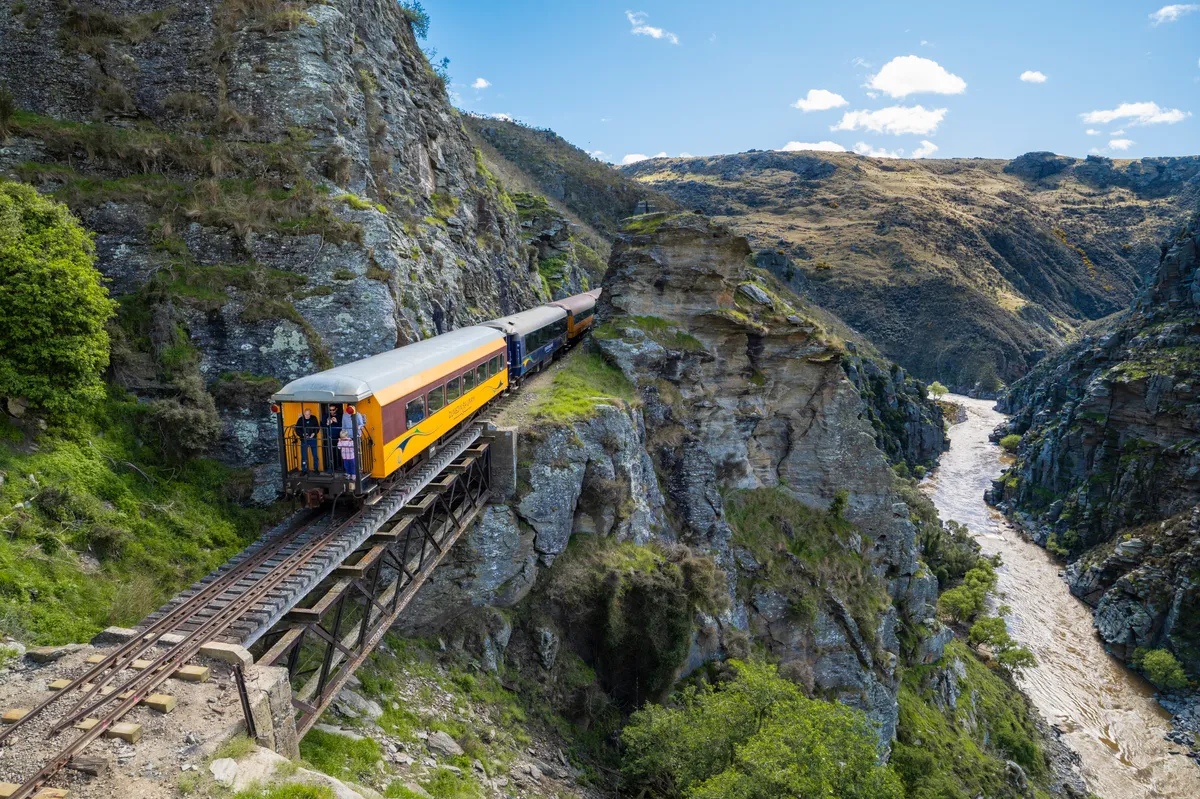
(158, 672)
(215, 624)
(132, 649)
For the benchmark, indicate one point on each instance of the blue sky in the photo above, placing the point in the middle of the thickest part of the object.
(922, 78)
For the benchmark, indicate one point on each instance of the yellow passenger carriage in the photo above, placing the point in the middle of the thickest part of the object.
(389, 410)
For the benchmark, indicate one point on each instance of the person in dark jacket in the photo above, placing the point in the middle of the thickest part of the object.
(308, 427)
(333, 431)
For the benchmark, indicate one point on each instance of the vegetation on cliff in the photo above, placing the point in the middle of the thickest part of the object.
(753, 736)
(959, 723)
(98, 529)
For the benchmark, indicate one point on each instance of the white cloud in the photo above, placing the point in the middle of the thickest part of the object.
(686, 155)
(1173, 12)
(501, 117)
(896, 119)
(1137, 114)
(1120, 144)
(1093, 132)
(910, 74)
(859, 62)
(820, 146)
(633, 158)
(638, 20)
(1033, 76)
(481, 83)
(862, 148)
(820, 100)
(926, 149)
(1117, 133)
(599, 155)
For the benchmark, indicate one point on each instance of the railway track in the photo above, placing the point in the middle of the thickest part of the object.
(236, 603)
(282, 554)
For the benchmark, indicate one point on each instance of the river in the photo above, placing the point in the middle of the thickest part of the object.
(1106, 711)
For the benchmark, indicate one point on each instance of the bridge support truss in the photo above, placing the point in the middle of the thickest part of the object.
(325, 638)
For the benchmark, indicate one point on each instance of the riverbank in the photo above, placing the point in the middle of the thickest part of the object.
(1104, 712)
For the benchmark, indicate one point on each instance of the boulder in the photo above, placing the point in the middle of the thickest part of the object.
(440, 743)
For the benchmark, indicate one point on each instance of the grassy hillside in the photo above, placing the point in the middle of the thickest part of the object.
(542, 162)
(960, 269)
(99, 530)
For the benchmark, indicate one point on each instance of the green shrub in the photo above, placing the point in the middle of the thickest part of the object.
(1163, 669)
(993, 632)
(293, 791)
(755, 736)
(949, 550)
(1010, 442)
(938, 390)
(635, 606)
(53, 309)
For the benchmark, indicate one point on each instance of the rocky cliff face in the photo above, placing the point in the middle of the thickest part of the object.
(909, 428)
(279, 186)
(748, 444)
(744, 393)
(1108, 469)
(966, 271)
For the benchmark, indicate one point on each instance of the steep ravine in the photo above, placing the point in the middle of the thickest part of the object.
(1105, 712)
(1107, 473)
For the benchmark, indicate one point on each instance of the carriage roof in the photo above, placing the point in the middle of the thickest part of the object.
(528, 321)
(357, 380)
(579, 302)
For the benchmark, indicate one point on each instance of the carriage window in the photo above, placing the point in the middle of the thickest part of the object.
(583, 316)
(481, 374)
(414, 411)
(437, 399)
(494, 366)
(468, 380)
(452, 391)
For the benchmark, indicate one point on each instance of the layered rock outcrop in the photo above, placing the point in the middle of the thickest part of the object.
(1108, 468)
(285, 184)
(743, 412)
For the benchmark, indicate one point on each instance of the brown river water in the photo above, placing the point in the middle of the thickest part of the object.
(1106, 711)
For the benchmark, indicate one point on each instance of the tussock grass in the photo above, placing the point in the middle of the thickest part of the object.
(585, 381)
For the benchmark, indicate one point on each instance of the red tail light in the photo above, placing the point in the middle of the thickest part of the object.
(274, 408)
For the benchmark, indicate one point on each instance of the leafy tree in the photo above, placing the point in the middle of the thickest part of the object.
(53, 310)
(416, 15)
(938, 390)
(755, 737)
(968, 600)
(993, 632)
(1162, 669)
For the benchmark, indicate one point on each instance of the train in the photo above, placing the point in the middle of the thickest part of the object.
(354, 429)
